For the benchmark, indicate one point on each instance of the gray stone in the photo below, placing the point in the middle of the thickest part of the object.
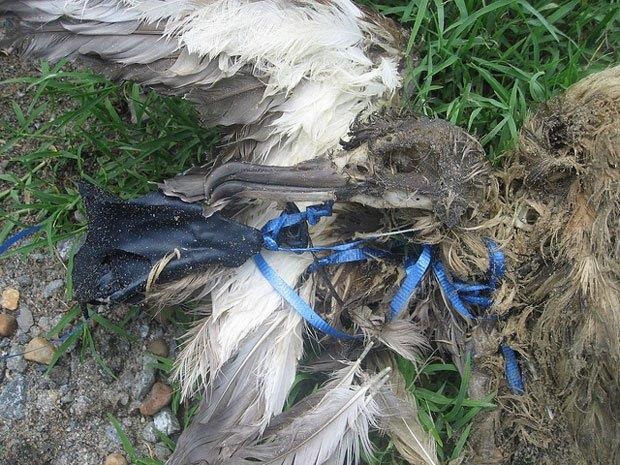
(47, 400)
(16, 363)
(112, 435)
(81, 406)
(64, 248)
(38, 257)
(13, 399)
(52, 288)
(24, 319)
(148, 433)
(166, 422)
(35, 331)
(45, 324)
(162, 452)
(24, 280)
(67, 398)
(145, 378)
(144, 330)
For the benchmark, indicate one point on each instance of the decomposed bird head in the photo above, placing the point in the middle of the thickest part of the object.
(390, 162)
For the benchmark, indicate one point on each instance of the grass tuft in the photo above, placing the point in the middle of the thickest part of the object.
(78, 125)
(485, 65)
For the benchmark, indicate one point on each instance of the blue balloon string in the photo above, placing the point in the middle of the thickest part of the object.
(24, 233)
(513, 372)
(414, 272)
(292, 297)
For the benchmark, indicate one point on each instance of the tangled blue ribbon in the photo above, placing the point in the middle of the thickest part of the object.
(461, 295)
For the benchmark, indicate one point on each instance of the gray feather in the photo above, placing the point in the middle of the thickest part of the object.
(231, 406)
(401, 422)
(333, 430)
(109, 36)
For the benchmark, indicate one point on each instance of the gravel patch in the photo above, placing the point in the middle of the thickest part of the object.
(63, 417)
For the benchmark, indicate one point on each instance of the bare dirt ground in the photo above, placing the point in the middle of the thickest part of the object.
(62, 418)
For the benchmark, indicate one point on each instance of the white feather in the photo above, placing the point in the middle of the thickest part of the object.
(335, 430)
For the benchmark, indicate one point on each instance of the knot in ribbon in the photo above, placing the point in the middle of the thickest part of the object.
(272, 229)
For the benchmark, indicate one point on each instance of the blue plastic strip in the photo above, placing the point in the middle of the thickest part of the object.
(449, 290)
(497, 264)
(414, 274)
(6, 245)
(301, 306)
(513, 372)
(458, 293)
(349, 255)
(312, 215)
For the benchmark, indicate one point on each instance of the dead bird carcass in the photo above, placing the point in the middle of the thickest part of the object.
(287, 103)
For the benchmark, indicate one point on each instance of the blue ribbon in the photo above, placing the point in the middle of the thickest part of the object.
(450, 290)
(341, 253)
(300, 305)
(7, 244)
(513, 372)
(414, 272)
(458, 293)
(312, 215)
(352, 253)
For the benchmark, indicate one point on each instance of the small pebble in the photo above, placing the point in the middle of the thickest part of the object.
(16, 362)
(148, 433)
(145, 378)
(159, 396)
(25, 320)
(112, 435)
(37, 257)
(115, 459)
(64, 248)
(82, 406)
(144, 331)
(161, 451)
(45, 324)
(166, 422)
(24, 280)
(39, 350)
(8, 325)
(52, 288)
(158, 347)
(13, 399)
(10, 298)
